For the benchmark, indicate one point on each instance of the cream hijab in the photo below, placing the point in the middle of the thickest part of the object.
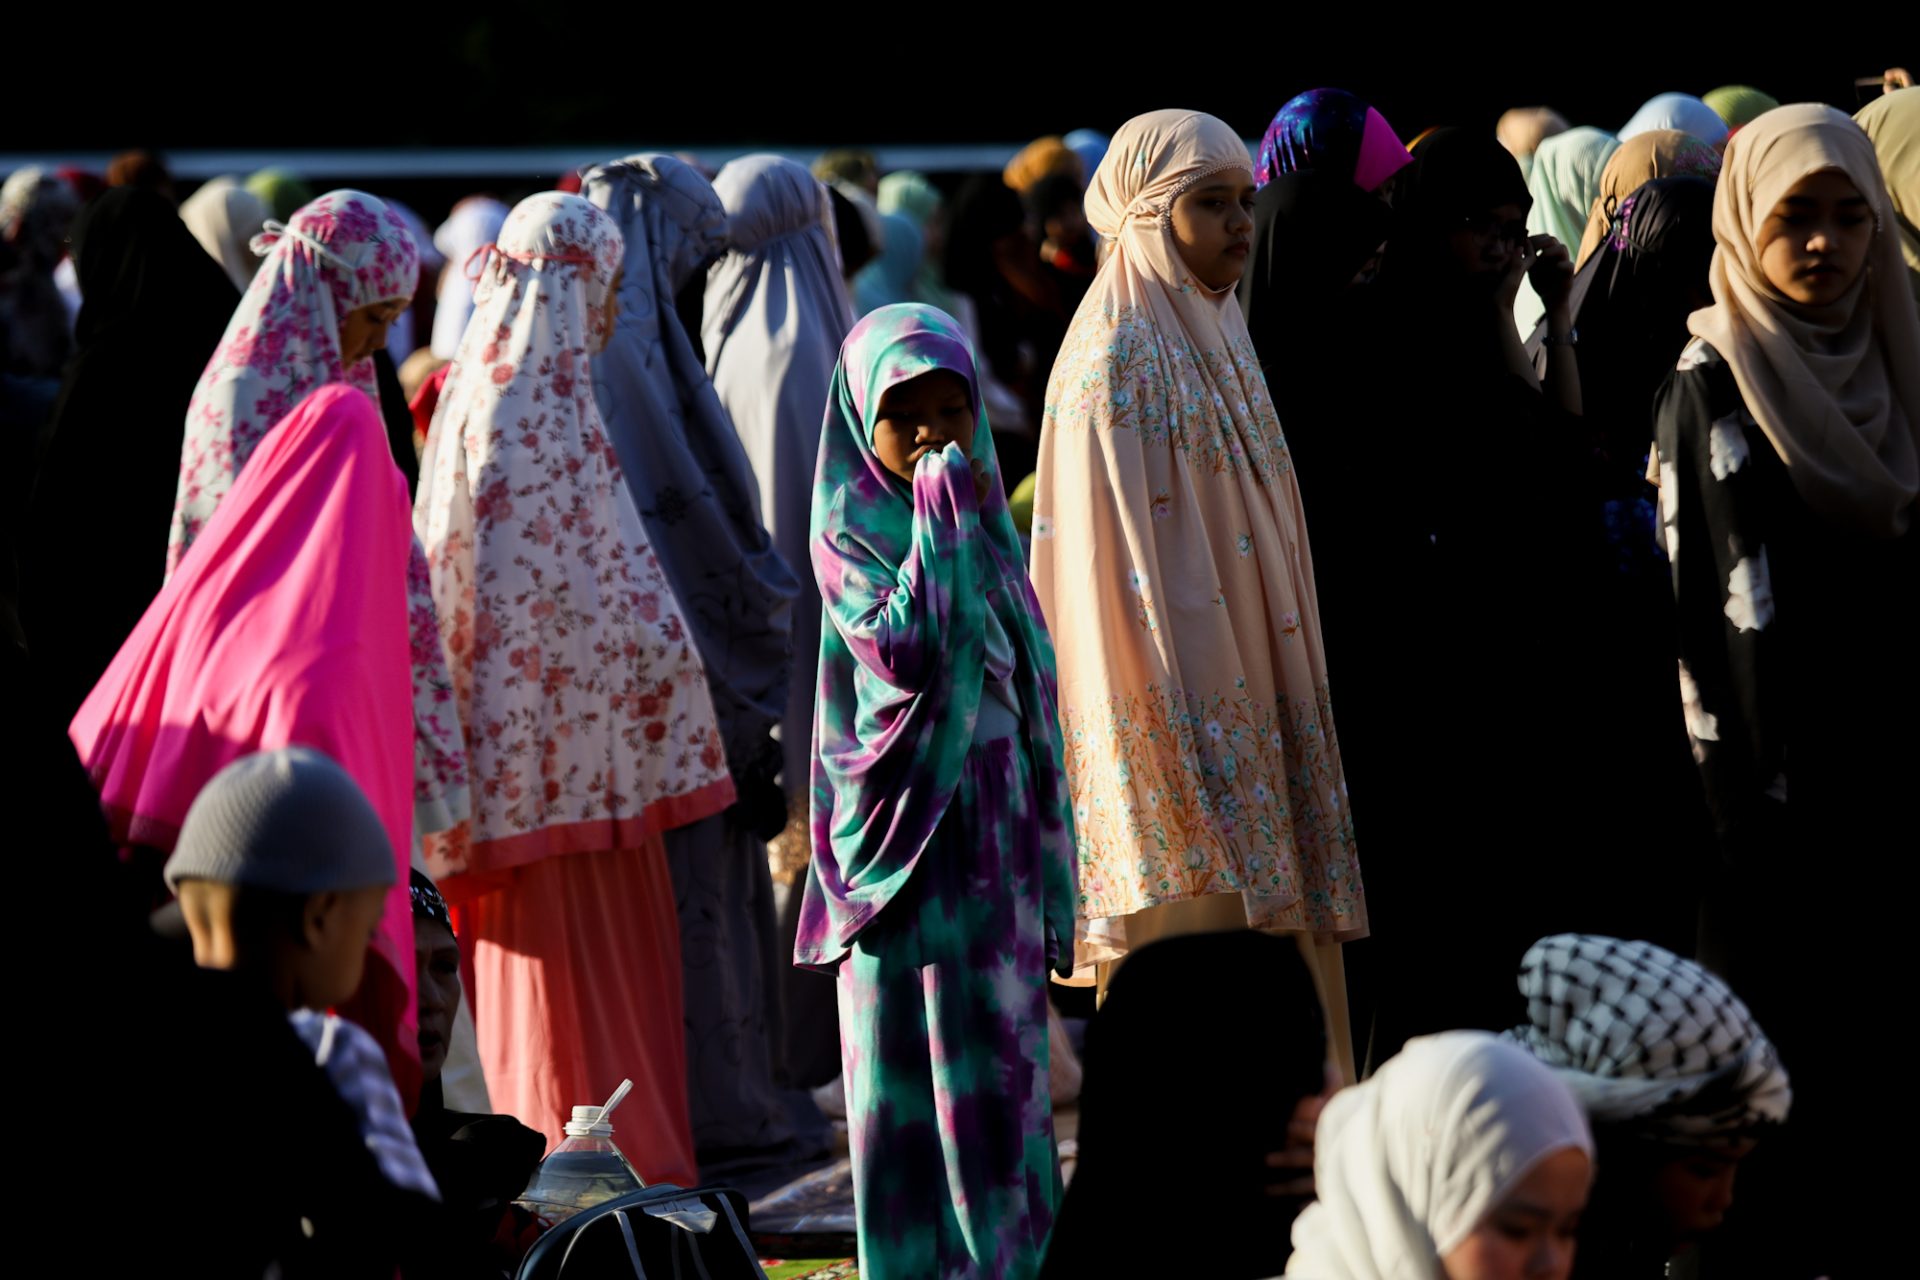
(1893, 122)
(1662, 153)
(1171, 557)
(225, 217)
(1407, 1164)
(1836, 389)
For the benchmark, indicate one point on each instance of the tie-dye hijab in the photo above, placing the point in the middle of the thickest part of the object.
(1325, 130)
(897, 704)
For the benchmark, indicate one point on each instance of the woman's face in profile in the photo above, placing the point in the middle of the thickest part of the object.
(1530, 1235)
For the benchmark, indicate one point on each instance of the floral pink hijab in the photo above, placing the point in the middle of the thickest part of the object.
(343, 251)
(588, 718)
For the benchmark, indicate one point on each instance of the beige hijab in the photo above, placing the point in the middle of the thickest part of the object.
(1658, 153)
(1642, 158)
(225, 217)
(1836, 389)
(1171, 558)
(1893, 122)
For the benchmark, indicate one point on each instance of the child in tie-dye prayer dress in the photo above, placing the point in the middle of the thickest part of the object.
(942, 884)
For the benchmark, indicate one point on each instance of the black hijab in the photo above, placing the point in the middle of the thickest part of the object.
(1175, 1015)
(986, 212)
(1312, 233)
(1456, 175)
(1647, 277)
(156, 306)
(397, 418)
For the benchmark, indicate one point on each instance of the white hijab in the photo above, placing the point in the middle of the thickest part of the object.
(225, 217)
(1680, 111)
(474, 222)
(1409, 1163)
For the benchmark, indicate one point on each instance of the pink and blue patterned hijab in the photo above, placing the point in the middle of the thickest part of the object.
(1330, 130)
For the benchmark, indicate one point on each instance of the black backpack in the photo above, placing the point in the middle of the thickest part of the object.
(661, 1232)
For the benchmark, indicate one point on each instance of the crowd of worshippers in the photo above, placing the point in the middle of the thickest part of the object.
(780, 636)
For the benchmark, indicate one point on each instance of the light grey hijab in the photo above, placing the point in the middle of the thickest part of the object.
(775, 317)
(690, 478)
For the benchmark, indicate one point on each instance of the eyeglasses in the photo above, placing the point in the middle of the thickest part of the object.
(1488, 227)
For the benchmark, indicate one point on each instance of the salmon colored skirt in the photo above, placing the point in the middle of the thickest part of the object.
(577, 986)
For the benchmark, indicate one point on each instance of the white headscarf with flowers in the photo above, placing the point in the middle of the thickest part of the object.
(588, 717)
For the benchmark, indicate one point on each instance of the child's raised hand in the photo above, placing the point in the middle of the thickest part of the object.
(982, 481)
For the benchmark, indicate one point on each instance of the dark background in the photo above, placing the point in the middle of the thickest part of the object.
(553, 74)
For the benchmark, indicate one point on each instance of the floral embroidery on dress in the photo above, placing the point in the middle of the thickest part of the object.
(1143, 610)
(1216, 794)
(1212, 405)
(1750, 593)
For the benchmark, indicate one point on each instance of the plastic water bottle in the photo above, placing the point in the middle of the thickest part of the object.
(585, 1170)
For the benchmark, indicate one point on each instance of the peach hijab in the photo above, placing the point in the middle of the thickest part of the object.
(1171, 557)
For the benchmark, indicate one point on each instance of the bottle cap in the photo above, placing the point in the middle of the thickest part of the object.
(586, 1123)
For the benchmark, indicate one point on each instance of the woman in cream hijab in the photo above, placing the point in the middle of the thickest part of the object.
(1463, 1158)
(1170, 554)
(1789, 466)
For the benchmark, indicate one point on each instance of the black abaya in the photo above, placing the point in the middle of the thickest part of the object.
(94, 549)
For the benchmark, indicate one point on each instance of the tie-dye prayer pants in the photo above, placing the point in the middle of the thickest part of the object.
(943, 1036)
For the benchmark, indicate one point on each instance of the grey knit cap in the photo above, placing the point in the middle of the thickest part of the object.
(290, 820)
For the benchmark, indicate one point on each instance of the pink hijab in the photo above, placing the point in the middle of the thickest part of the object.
(340, 251)
(284, 625)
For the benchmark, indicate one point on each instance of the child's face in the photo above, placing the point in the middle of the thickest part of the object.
(437, 959)
(1814, 243)
(338, 927)
(1213, 227)
(920, 416)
